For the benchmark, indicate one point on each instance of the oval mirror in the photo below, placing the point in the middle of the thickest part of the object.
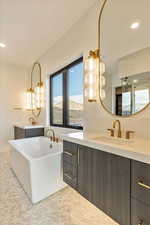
(125, 49)
(35, 81)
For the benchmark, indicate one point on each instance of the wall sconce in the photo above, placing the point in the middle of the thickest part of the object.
(94, 71)
(30, 95)
(91, 73)
(93, 68)
(35, 94)
(39, 95)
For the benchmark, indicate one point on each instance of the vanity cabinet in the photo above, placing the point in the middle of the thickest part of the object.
(140, 193)
(102, 178)
(20, 133)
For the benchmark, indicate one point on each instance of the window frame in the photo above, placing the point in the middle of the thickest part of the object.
(65, 96)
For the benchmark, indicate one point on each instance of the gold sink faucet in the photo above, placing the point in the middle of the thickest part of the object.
(119, 135)
(32, 120)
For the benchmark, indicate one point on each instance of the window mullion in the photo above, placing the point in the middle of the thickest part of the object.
(65, 98)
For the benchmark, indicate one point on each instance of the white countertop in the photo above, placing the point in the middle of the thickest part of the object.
(29, 126)
(137, 149)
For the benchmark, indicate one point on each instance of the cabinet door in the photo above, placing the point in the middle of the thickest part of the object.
(111, 185)
(118, 196)
(100, 179)
(85, 172)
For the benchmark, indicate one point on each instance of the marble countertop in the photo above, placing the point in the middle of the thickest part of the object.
(28, 126)
(137, 149)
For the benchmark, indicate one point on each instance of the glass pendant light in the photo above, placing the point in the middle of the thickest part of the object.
(39, 95)
(91, 73)
(30, 96)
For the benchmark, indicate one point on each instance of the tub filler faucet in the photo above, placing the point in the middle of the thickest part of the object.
(52, 137)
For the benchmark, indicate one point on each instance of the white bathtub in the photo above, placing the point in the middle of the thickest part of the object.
(37, 166)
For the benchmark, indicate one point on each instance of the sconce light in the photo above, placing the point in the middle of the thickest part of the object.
(39, 95)
(30, 95)
(94, 68)
(91, 73)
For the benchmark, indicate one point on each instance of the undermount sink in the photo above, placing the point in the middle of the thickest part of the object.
(113, 140)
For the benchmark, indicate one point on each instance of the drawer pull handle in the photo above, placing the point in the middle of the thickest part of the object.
(69, 177)
(68, 153)
(141, 222)
(143, 185)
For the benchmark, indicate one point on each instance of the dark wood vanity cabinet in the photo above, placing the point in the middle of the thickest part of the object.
(140, 193)
(20, 133)
(102, 178)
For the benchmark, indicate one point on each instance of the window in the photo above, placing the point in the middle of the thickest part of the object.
(141, 99)
(66, 96)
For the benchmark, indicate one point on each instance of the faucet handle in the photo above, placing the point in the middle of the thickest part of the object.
(111, 132)
(128, 132)
(51, 138)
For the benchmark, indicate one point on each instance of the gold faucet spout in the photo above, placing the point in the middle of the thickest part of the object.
(119, 127)
(53, 137)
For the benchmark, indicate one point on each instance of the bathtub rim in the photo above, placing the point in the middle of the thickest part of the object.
(13, 145)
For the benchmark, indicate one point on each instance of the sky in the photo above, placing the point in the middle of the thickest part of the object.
(75, 81)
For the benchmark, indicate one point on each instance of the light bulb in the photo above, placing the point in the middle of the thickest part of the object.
(102, 68)
(39, 95)
(135, 25)
(30, 99)
(90, 64)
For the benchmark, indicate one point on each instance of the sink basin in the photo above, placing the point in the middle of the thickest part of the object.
(113, 140)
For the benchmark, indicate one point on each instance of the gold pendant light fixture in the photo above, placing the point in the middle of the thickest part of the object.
(94, 70)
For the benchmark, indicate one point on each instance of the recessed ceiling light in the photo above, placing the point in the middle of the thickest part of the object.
(135, 25)
(2, 45)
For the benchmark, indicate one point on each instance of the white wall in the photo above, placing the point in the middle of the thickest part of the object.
(79, 40)
(13, 82)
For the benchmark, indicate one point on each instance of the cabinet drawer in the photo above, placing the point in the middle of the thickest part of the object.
(69, 157)
(140, 213)
(141, 182)
(70, 181)
(69, 169)
(70, 148)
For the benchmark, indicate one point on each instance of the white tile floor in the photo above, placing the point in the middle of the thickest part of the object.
(63, 208)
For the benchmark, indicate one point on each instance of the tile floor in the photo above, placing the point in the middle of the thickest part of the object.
(63, 208)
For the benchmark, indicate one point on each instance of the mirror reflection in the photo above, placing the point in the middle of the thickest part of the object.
(125, 50)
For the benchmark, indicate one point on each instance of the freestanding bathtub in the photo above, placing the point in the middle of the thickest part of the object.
(37, 164)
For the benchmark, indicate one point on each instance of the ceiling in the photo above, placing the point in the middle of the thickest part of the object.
(117, 38)
(30, 27)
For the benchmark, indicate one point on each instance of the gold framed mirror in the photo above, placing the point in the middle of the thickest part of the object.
(124, 45)
(35, 94)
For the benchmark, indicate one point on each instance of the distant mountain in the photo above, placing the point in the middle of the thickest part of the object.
(75, 102)
(72, 105)
(74, 98)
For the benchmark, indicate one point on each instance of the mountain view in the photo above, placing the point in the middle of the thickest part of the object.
(75, 107)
